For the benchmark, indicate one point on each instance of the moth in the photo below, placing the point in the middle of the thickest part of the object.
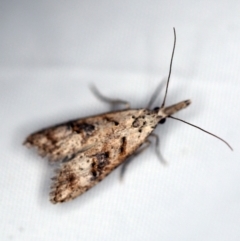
(91, 148)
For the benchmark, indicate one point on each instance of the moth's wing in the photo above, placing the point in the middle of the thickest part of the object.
(92, 148)
(118, 135)
(88, 168)
(63, 141)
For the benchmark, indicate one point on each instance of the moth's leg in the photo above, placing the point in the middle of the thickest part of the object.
(157, 148)
(155, 94)
(109, 100)
(127, 162)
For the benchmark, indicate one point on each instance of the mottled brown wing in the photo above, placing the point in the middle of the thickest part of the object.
(64, 141)
(86, 169)
(92, 148)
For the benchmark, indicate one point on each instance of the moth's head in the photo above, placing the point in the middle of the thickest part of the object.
(165, 112)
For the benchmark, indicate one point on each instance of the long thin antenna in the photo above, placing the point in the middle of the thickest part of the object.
(202, 130)
(170, 69)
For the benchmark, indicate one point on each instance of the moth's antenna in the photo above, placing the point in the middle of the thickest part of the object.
(170, 69)
(202, 130)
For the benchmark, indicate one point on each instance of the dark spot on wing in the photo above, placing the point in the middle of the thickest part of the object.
(88, 128)
(71, 178)
(136, 123)
(70, 125)
(94, 173)
(116, 123)
(102, 160)
(123, 145)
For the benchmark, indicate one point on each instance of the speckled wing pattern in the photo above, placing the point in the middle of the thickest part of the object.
(91, 148)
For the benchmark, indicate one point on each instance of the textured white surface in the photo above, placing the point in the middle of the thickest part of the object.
(52, 50)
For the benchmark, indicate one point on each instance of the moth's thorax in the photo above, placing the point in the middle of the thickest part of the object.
(136, 119)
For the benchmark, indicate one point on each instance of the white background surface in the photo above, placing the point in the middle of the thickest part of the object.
(50, 52)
